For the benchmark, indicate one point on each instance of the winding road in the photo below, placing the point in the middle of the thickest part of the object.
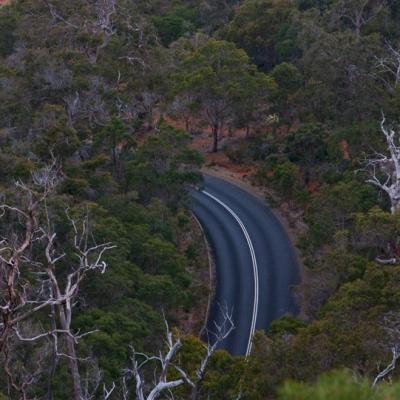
(256, 266)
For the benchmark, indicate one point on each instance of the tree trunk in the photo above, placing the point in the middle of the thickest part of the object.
(358, 32)
(187, 124)
(321, 8)
(194, 394)
(65, 317)
(358, 25)
(215, 132)
(395, 204)
(73, 368)
(50, 395)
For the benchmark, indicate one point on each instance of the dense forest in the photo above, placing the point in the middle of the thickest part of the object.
(101, 264)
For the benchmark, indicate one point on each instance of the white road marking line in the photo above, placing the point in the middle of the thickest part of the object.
(255, 268)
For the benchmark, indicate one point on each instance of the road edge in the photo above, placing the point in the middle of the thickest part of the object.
(212, 275)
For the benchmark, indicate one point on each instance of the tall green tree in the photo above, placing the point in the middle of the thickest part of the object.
(223, 84)
(261, 28)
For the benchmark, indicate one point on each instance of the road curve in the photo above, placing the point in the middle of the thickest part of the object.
(255, 261)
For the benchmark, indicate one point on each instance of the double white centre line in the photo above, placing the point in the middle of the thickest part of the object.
(255, 268)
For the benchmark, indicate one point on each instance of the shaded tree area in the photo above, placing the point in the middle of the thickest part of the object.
(76, 92)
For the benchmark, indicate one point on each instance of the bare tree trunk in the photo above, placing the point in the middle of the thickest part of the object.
(65, 312)
(384, 171)
(194, 393)
(395, 202)
(54, 359)
(215, 132)
(358, 23)
(391, 367)
(74, 368)
(187, 124)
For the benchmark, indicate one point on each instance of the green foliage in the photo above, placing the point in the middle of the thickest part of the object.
(347, 334)
(14, 167)
(260, 28)
(115, 140)
(163, 165)
(333, 207)
(289, 80)
(56, 135)
(377, 233)
(307, 146)
(224, 377)
(170, 27)
(341, 385)
(287, 76)
(286, 179)
(69, 90)
(286, 325)
(221, 83)
(92, 97)
(115, 330)
(8, 24)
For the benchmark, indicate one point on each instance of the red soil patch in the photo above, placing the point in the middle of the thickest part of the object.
(313, 187)
(344, 146)
(220, 160)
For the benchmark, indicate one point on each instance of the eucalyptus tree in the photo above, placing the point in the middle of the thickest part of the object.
(222, 83)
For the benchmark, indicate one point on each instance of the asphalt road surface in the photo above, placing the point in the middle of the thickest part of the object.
(255, 261)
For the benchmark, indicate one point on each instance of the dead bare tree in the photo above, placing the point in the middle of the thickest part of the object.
(166, 364)
(103, 26)
(388, 67)
(390, 322)
(73, 106)
(30, 249)
(57, 17)
(390, 367)
(215, 337)
(13, 249)
(108, 392)
(24, 372)
(384, 170)
(358, 12)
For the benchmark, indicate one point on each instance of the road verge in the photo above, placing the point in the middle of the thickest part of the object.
(212, 276)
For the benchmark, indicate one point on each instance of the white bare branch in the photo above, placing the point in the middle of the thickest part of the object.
(165, 361)
(57, 17)
(47, 288)
(358, 12)
(389, 368)
(384, 170)
(108, 392)
(388, 67)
